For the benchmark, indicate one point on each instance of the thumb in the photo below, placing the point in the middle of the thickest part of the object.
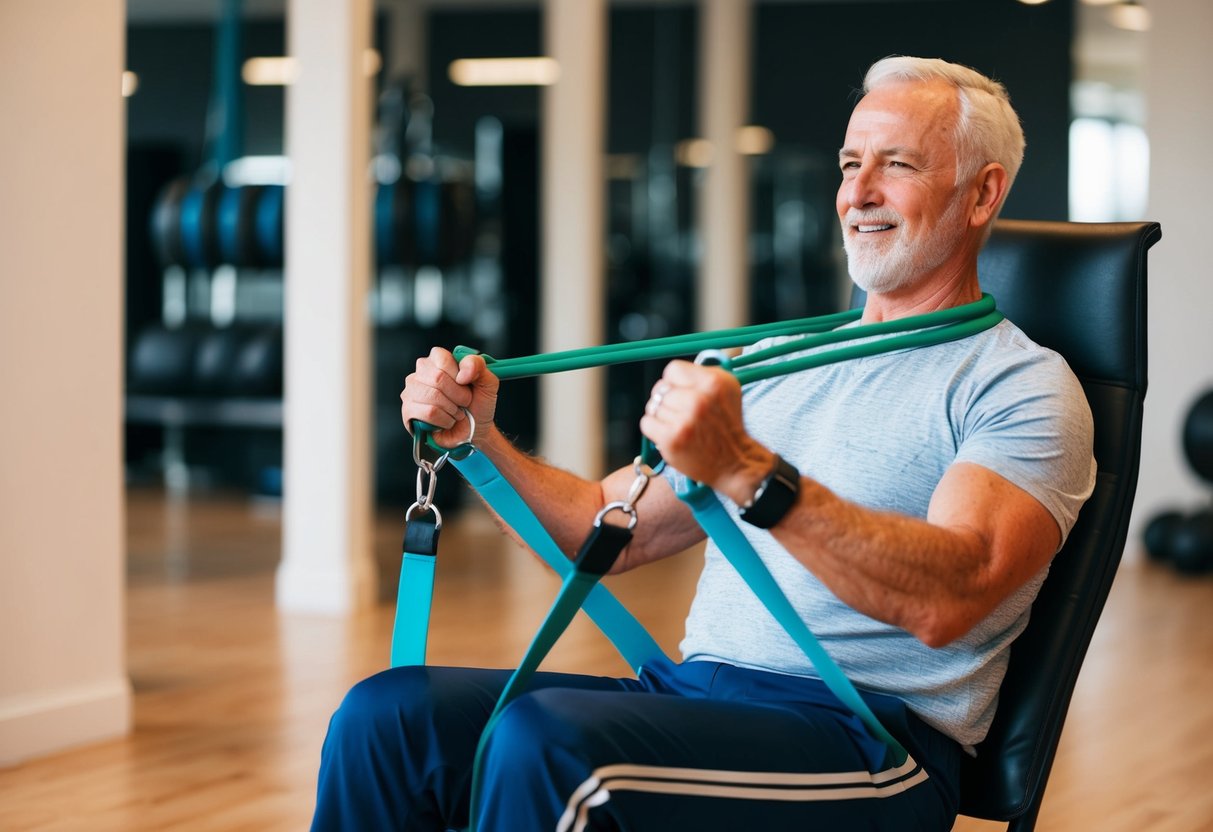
(473, 370)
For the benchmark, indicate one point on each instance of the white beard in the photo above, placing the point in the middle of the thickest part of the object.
(888, 265)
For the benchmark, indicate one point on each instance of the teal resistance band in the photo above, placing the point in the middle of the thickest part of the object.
(717, 523)
(416, 591)
(626, 633)
(415, 595)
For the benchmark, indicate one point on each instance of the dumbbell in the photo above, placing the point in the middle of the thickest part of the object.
(215, 358)
(162, 361)
(237, 226)
(199, 229)
(270, 212)
(257, 371)
(166, 223)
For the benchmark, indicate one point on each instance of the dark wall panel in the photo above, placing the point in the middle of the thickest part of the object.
(174, 65)
(479, 34)
(652, 96)
(811, 57)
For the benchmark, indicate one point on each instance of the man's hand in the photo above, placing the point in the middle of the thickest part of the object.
(438, 391)
(694, 418)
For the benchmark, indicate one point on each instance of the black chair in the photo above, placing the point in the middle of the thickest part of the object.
(1079, 289)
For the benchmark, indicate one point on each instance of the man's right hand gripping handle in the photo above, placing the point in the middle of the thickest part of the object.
(439, 389)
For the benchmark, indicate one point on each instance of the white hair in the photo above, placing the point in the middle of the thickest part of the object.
(988, 129)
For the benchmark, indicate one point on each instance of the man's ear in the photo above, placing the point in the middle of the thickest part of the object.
(991, 183)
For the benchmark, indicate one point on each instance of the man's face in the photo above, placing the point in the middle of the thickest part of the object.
(903, 217)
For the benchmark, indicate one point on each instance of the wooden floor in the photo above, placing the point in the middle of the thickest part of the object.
(232, 698)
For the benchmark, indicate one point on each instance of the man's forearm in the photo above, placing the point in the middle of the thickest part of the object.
(563, 502)
(936, 578)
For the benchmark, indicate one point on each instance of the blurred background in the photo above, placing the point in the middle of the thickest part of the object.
(215, 283)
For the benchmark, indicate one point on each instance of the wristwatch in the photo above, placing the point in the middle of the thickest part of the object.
(775, 496)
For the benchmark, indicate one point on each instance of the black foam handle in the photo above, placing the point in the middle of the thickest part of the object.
(601, 549)
(421, 536)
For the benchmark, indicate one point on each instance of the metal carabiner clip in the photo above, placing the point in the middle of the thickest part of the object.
(626, 508)
(418, 459)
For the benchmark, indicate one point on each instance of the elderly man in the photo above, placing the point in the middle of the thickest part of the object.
(907, 503)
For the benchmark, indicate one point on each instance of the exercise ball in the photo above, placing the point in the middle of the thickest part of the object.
(1159, 533)
(1192, 544)
(1198, 437)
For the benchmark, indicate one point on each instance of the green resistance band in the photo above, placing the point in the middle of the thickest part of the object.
(671, 346)
(597, 554)
(956, 322)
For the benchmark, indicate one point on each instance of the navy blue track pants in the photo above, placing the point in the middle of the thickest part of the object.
(695, 746)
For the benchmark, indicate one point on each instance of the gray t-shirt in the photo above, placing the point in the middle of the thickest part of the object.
(881, 431)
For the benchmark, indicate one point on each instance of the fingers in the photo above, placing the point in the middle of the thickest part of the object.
(693, 415)
(702, 377)
(687, 390)
(660, 390)
(439, 390)
(431, 393)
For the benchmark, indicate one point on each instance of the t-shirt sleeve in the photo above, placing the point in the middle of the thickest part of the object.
(1031, 424)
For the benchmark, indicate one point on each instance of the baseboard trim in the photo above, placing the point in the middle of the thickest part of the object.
(44, 722)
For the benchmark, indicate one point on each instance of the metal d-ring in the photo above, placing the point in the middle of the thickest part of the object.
(432, 509)
(627, 509)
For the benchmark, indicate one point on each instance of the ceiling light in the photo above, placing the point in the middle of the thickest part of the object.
(504, 72)
(281, 71)
(1130, 15)
(754, 140)
(270, 72)
(693, 153)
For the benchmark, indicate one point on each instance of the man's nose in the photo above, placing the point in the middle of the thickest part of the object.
(864, 188)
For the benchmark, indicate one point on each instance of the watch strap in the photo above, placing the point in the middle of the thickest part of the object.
(775, 496)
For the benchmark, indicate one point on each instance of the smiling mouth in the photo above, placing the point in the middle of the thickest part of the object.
(868, 229)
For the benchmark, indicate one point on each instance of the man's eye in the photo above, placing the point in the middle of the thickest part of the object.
(897, 164)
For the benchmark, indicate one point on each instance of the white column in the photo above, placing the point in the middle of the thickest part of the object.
(572, 405)
(327, 560)
(1179, 106)
(724, 200)
(62, 568)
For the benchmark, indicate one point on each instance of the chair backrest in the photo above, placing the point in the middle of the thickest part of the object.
(1079, 289)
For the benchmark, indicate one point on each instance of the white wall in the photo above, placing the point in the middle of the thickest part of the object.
(62, 652)
(1179, 102)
